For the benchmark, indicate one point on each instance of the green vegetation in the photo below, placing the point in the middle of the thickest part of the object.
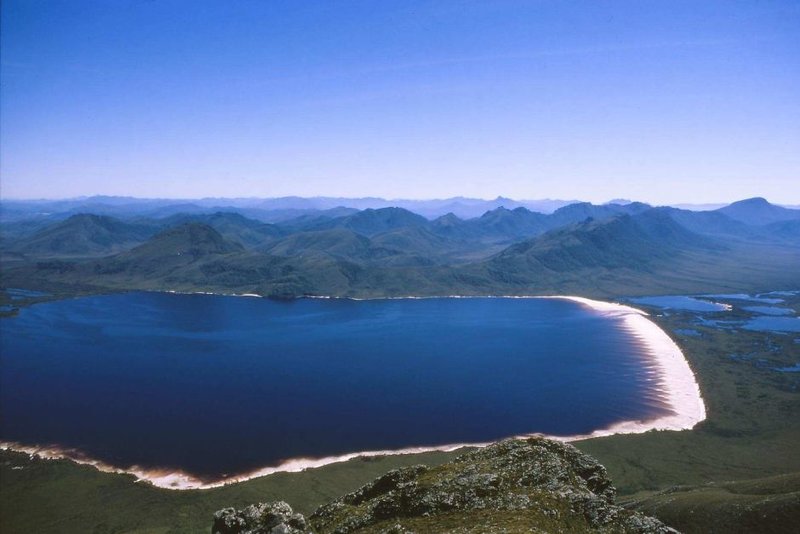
(84, 235)
(60, 496)
(511, 486)
(694, 480)
(626, 250)
(770, 504)
(751, 434)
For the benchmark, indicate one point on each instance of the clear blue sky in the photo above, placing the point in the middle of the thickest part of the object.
(658, 101)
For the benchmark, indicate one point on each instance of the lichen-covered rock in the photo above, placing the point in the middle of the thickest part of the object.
(263, 518)
(513, 486)
(531, 485)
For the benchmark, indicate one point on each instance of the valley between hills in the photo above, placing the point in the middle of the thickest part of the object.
(738, 471)
(591, 250)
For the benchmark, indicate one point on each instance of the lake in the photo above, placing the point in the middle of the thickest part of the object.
(217, 386)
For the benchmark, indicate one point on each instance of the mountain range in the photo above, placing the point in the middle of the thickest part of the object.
(264, 209)
(615, 249)
(280, 209)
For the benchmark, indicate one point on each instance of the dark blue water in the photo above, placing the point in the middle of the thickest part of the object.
(222, 385)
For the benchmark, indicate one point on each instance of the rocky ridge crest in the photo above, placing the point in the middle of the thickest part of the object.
(531, 485)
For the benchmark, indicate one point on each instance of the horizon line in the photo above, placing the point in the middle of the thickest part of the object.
(616, 200)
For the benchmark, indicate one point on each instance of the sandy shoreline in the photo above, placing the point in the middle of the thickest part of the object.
(679, 391)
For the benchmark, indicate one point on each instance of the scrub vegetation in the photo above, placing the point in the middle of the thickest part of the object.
(737, 469)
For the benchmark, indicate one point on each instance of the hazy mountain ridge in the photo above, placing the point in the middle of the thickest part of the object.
(584, 248)
(600, 251)
(264, 209)
(758, 211)
(278, 209)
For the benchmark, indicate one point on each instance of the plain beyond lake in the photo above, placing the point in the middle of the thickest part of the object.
(216, 386)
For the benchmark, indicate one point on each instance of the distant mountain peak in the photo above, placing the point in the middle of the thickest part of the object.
(370, 221)
(754, 201)
(447, 219)
(758, 211)
(498, 209)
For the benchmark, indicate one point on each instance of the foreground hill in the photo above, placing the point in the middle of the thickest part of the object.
(171, 250)
(626, 242)
(513, 486)
(84, 235)
(627, 254)
(645, 253)
(232, 226)
(190, 240)
(608, 250)
(191, 257)
(337, 243)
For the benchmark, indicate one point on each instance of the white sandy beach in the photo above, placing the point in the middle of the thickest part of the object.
(678, 389)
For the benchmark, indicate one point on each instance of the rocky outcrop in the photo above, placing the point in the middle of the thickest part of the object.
(264, 518)
(532, 485)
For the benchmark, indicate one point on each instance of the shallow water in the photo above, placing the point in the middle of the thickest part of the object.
(769, 310)
(680, 303)
(748, 298)
(773, 324)
(19, 294)
(222, 385)
(780, 293)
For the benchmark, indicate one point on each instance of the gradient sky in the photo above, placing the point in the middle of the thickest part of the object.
(657, 101)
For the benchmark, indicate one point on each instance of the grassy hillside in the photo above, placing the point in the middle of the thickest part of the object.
(764, 505)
